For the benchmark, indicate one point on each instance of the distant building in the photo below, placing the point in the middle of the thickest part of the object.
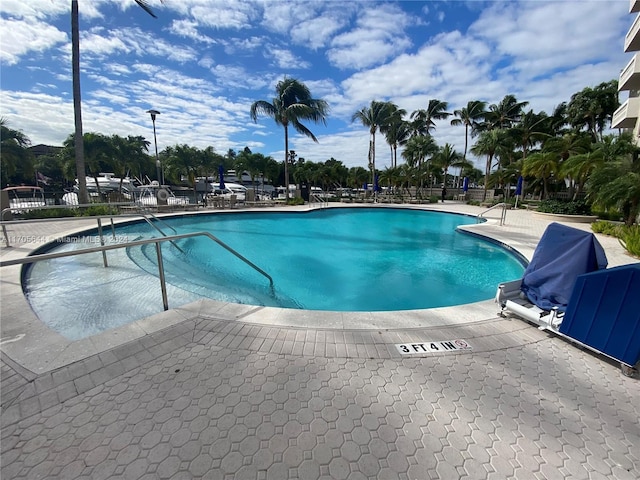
(626, 117)
(40, 150)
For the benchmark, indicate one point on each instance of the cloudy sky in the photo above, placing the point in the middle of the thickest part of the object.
(202, 63)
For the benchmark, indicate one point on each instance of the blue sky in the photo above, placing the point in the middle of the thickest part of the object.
(202, 63)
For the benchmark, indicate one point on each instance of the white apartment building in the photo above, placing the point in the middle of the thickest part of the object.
(628, 114)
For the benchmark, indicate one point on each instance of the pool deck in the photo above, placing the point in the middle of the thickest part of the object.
(215, 390)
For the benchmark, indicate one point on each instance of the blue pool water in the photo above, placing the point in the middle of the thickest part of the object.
(344, 259)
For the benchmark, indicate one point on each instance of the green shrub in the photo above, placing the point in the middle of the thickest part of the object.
(98, 210)
(564, 208)
(434, 199)
(49, 213)
(473, 202)
(630, 239)
(295, 201)
(606, 228)
(614, 215)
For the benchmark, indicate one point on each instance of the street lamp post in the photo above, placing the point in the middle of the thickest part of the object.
(153, 114)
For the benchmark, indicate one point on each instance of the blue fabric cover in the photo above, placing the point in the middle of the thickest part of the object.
(562, 254)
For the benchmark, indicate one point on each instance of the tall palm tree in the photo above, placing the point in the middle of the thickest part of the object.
(505, 113)
(488, 144)
(593, 108)
(83, 197)
(529, 130)
(470, 116)
(424, 120)
(445, 158)
(390, 128)
(397, 135)
(374, 116)
(293, 102)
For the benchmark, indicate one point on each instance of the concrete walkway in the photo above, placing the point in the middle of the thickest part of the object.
(222, 391)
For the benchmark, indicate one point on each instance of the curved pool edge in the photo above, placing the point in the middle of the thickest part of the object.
(39, 349)
(33, 346)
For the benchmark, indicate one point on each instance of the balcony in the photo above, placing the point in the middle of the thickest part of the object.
(630, 76)
(632, 39)
(627, 115)
(634, 6)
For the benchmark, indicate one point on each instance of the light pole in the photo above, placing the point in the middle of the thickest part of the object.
(155, 140)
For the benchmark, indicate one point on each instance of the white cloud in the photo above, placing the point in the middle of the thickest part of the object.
(99, 42)
(234, 14)
(316, 32)
(285, 58)
(21, 38)
(242, 45)
(283, 17)
(189, 29)
(372, 41)
(542, 36)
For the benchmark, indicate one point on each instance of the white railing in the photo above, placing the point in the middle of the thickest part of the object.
(503, 214)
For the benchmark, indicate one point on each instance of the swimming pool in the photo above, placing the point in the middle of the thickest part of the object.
(339, 259)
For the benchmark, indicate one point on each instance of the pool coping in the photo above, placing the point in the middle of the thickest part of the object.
(35, 347)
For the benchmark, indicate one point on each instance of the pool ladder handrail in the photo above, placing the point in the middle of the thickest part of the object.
(503, 214)
(157, 241)
(314, 198)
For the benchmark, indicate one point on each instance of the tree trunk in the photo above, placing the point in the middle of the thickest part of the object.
(373, 158)
(77, 106)
(486, 176)
(286, 161)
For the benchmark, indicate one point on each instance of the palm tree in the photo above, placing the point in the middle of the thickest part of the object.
(418, 148)
(396, 130)
(578, 168)
(593, 108)
(129, 154)
(83, 197)
(541, 165)
(424, 119)
(617, 184)
(488, 144)
(445, 158)
(293, 102)
(357, 176)
(14, 153)
(530, 130)
(470, 116)
(505, 113)
(374, 116)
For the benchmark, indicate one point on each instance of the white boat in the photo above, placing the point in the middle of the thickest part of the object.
(154, 194)
(98, 187)
(240, 191)
(24, 197)
(281, 192)
(107, 182)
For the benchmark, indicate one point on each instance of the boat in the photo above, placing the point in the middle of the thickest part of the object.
(98, 188)
(240, 191)
(155, 194)
(24, 197)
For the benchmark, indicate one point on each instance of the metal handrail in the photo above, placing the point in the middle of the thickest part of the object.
(161, 221)
(156, 241)
(317, 199)
(503, 215)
